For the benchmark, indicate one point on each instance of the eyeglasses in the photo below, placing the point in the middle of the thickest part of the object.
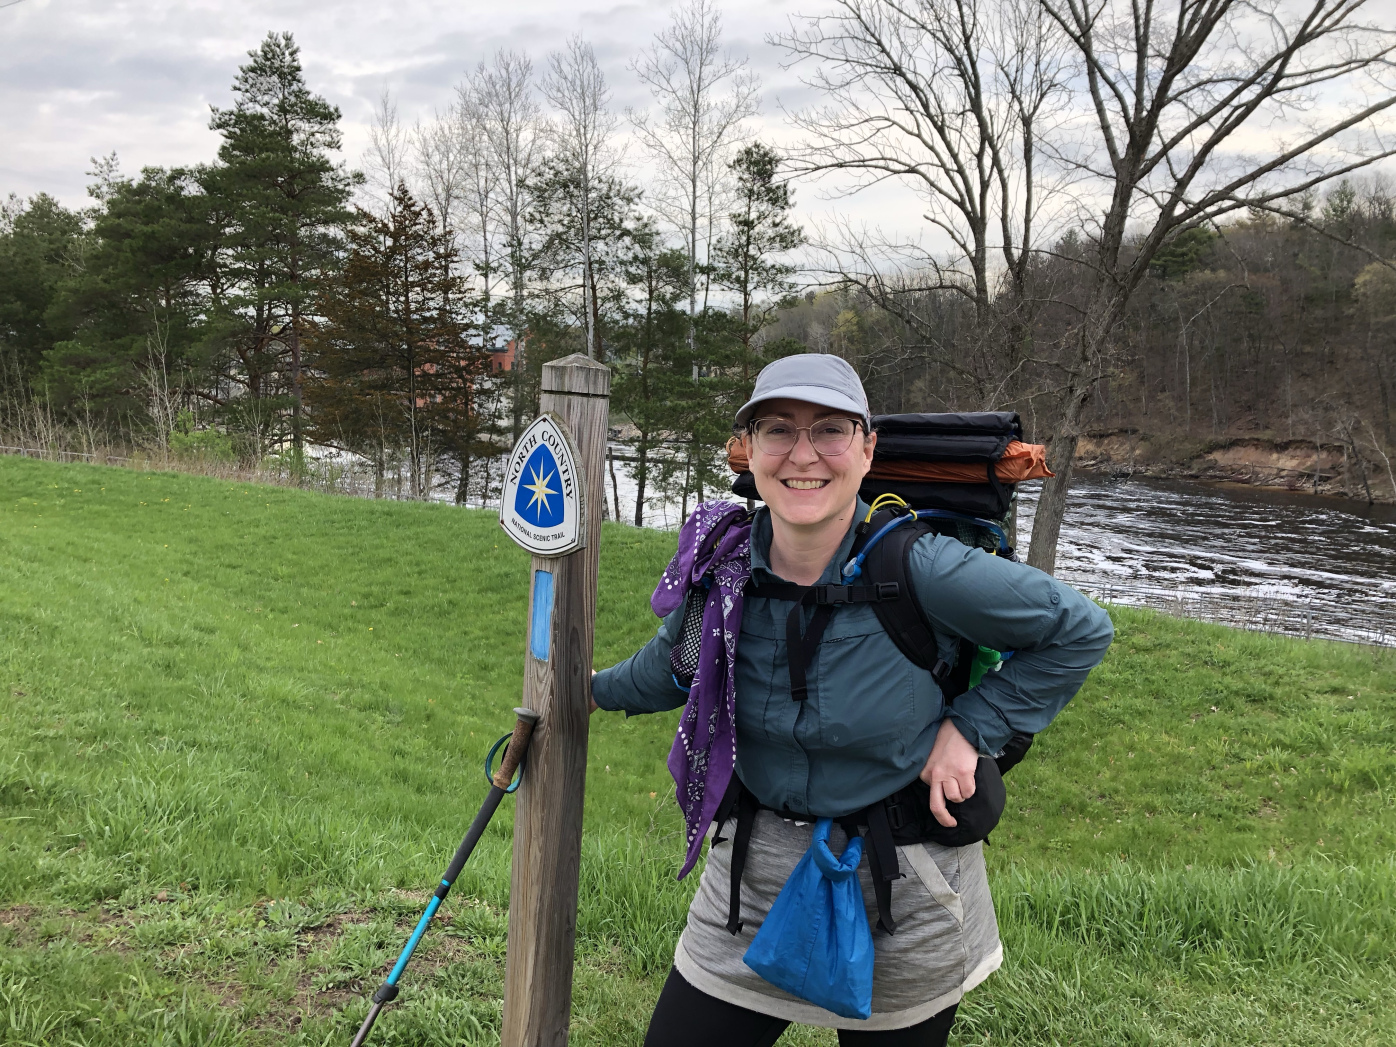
(778, 436)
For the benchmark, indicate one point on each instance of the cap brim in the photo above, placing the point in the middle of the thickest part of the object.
(811, 394)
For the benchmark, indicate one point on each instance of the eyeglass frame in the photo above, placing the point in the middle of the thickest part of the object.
(750, 430)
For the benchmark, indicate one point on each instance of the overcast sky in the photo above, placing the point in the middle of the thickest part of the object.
(81, 78)
(84, 78)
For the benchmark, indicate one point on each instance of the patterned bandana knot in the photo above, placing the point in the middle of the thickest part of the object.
(705, 747)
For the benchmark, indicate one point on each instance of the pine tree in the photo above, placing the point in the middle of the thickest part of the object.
(133, 311)
(397, 357)
(288, 206)
(747, 259)
(38, 241)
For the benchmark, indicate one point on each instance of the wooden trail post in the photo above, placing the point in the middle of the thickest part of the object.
(557, 684)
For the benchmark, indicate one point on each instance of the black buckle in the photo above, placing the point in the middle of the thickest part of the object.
(888, 591)
(896, 817)
(833, 594)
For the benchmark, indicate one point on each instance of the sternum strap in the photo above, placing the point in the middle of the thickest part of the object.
(802, 645)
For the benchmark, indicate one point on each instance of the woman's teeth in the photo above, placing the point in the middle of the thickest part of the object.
(804, 485)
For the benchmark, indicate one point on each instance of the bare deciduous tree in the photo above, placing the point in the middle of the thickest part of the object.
(441, 167)
(388, 153)
(577, 90)
(1153, 119)
(703, 95)
(1190, 111)
(949, 99)
(502, 99)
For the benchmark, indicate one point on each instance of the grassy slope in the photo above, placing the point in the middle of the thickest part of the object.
(241, 729)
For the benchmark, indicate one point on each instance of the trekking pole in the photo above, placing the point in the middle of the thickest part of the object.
(499, 785)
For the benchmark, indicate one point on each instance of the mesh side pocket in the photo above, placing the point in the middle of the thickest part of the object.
(683, 658)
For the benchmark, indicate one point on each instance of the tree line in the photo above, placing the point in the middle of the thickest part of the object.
(1125, 216)
(274, 299)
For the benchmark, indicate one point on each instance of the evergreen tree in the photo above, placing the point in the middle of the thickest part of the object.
(132, 311)
(586, 231)
(397, 358)
(747, 259)
(651, 382)
(287, 205)
(39, 243)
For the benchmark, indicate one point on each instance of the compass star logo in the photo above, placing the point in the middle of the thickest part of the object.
(540, 490)
(539, 500)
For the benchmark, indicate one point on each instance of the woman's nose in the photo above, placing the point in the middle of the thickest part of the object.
(804, 451)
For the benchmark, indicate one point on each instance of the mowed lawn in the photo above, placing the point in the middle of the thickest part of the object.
(242, 727)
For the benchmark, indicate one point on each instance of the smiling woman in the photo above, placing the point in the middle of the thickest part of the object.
(805, 724)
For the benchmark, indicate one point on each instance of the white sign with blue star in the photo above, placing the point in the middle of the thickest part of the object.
(541, 506)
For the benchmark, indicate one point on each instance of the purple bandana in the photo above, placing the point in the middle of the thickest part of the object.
(705, 748)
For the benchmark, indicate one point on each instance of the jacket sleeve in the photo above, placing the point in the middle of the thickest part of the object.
(1057, 635)
(644, 682)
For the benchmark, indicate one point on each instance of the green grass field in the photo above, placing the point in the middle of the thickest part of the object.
(241, 731)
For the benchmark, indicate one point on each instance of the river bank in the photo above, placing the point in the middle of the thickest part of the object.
(1362, 473)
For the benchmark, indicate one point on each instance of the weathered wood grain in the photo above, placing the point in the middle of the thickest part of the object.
(548, 817)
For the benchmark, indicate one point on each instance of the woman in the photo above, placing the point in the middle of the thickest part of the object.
(867, 723)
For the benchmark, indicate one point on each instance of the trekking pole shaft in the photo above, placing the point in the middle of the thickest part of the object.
(513, 756)
(367, 1026)
(387, 992)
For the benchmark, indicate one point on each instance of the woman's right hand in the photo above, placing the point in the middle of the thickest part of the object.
(590, 700)
(949, 771)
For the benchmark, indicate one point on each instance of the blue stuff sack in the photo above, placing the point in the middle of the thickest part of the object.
(815, 942)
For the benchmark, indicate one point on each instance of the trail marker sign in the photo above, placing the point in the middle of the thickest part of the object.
(543, 504)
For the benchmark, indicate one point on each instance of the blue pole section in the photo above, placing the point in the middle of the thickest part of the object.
(411, 945)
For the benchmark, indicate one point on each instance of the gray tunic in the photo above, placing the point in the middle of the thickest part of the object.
(947, 939)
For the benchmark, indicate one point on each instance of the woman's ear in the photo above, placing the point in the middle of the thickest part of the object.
(869, 442)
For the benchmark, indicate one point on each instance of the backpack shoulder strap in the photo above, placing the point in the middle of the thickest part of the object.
(903, 618)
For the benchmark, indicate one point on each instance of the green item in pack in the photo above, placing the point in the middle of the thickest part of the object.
(985, 660)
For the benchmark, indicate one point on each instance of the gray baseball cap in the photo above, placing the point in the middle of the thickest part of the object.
(816, 378)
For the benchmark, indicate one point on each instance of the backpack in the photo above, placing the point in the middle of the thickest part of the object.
(973, 513)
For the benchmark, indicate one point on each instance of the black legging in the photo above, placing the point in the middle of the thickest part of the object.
(687, 1017)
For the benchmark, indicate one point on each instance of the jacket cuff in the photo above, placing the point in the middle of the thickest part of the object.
(981, 724)
(603, 691)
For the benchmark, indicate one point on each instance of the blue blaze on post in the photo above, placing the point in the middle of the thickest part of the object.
(541, 627)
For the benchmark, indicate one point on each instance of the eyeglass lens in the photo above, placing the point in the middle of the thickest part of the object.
(829, 436)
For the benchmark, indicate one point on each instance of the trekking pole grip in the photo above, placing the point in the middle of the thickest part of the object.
(518, 745)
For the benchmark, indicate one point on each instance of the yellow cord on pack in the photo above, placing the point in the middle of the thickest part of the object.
(883, 500)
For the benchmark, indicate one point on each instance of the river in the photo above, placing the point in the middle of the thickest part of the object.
(1251, 557)
(1247, 556)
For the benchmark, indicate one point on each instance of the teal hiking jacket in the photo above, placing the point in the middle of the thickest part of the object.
(871, 717)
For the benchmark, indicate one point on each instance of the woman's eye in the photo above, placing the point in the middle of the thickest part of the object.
(778, 429)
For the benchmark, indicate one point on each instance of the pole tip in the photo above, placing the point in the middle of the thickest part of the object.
(526, 715)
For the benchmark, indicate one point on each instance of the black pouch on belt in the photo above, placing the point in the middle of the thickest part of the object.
(909, 811)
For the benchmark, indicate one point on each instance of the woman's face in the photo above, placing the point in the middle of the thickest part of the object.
(804, 488)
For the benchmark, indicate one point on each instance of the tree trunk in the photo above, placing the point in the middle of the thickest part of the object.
(641, 475)
(1061, 456)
